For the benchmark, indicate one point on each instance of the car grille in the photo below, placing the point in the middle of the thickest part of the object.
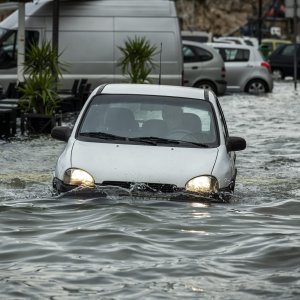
(147, 187)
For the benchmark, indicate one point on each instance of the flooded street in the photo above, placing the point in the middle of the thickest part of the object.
(128, 248)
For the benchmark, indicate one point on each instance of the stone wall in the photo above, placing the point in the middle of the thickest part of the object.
(221, 17)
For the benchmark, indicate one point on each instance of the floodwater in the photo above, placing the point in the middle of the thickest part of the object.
(127, 248)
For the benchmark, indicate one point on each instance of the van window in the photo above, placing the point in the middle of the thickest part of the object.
(9, 49)
(234, 55)
(195, 54)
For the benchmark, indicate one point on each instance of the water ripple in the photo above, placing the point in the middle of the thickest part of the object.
(151, 248)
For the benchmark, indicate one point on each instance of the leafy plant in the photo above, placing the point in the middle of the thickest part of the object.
(42, 70)
(137, 59)
(43, 58)
(39, 94)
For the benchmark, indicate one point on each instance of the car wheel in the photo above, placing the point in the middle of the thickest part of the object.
(206, 85)
(277, 74)
(256, 86)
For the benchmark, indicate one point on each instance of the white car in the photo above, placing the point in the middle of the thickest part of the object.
(246, 70)
(149, 138)
(203, 67)
(245, 40)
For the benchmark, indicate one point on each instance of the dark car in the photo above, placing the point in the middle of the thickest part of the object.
(282, 61)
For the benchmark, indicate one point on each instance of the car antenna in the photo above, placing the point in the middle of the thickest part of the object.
(159, 76)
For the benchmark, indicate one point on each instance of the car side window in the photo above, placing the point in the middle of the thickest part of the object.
(288, 50)
(188, 54)
(202, 54)
(234, 54)
(249, 43)
(195, 54)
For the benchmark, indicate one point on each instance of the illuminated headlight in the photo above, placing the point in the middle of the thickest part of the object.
(78, 177)
(202, 184)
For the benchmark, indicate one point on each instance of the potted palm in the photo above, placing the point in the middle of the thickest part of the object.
(39, 98)
(137, 59)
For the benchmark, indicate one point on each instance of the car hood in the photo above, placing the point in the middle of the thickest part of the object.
(142, 163)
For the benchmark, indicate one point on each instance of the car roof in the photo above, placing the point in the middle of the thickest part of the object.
(225, 45)
(276, 40)
(205, 46)
(198, 44)
(156, 90)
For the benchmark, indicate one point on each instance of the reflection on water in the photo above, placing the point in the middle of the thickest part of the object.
(117, 247)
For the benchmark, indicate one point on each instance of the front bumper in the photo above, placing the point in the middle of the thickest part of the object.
(161, 191)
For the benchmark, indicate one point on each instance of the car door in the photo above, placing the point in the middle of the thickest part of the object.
(238, 66)
(231, 156)
(286, 59)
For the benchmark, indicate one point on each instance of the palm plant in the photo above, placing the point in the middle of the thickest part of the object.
(39, 95)
(137, 59)
(42, 69)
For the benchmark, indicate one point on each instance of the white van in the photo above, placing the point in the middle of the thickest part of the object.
(90, 33)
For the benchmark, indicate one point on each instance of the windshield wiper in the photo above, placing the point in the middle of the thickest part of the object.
(104, 136)
(147, 140)
(194, 143)
(159, 140)
(154, 140)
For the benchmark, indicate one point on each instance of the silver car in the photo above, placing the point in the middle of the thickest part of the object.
(150, 139)
(246, 71)
(203, 67)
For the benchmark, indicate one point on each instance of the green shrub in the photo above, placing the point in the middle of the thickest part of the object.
(137, 59)
(42, 70)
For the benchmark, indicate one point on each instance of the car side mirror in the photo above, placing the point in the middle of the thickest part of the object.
(235, 144)
(61, 133)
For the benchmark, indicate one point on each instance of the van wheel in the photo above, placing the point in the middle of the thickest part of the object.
(277, 74)
(206, 85)
(256, 86)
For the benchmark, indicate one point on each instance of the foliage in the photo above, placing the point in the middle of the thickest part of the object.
(38, 93)
(137, 59)
(43, 58)
(42, 70)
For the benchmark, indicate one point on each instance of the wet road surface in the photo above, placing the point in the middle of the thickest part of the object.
(127, 248)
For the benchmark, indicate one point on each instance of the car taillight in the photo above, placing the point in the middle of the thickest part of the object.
(223, 72)
(266, 65)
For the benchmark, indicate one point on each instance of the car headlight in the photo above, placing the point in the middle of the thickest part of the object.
(78, 177)
(202, 184)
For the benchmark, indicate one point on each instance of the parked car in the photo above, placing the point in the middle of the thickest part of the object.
(282, 61)
(268, 46)
(246, 71)
(203, 67)
(149, 138)
(241, 40)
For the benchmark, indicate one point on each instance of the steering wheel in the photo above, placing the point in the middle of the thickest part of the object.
(182, 134)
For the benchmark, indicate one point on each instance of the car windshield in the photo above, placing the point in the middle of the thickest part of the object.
(151, 120)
